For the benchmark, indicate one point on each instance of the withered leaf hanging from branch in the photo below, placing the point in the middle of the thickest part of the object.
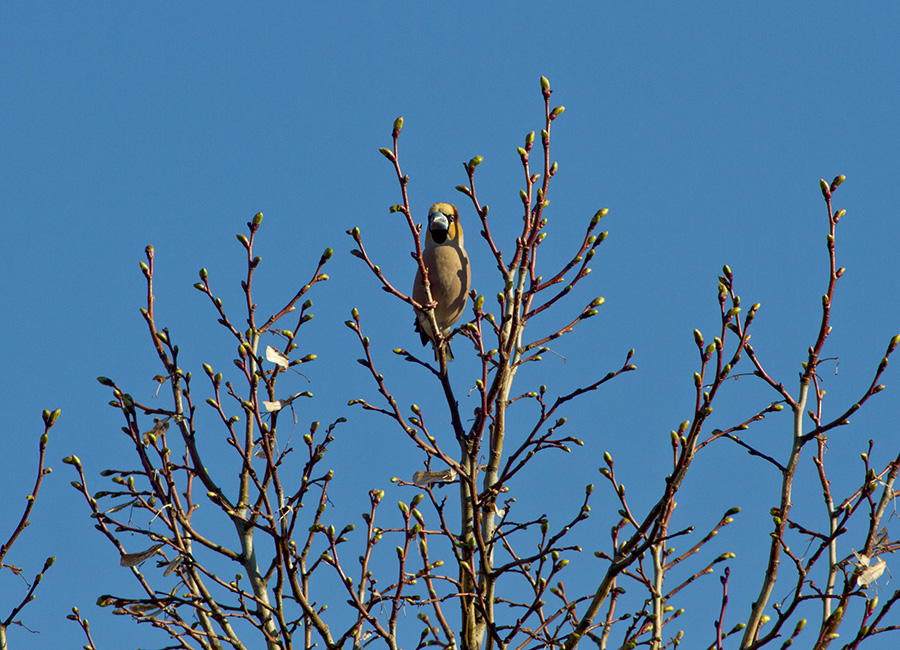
(427, 478)
(277, 405)
(133, 559)
(276, 357)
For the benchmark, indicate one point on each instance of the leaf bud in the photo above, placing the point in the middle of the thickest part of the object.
(387, 153)
(893, 344)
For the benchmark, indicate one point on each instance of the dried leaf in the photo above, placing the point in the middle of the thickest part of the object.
(121, 506)
(173, 566)
(277, 357)
(159, 427)
(146, 609)
(280, 404)
(133, 559)
(427, 478)
(160, 381)
(871, 574)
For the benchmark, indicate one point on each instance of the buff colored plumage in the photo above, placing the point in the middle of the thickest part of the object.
(449, 274)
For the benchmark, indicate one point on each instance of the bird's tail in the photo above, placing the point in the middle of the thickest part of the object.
(449, 352)
(427, 339)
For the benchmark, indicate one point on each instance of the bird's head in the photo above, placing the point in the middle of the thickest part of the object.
(443, 225)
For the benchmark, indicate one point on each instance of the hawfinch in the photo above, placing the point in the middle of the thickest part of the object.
(448, 273)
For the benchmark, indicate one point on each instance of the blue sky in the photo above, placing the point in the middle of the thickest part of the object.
(703, 127)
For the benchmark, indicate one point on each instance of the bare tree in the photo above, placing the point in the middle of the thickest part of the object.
(477, 573)
(50, 419)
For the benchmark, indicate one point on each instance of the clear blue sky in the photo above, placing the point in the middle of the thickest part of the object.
(703, 127)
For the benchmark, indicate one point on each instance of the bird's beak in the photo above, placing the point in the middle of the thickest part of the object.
(439, 226)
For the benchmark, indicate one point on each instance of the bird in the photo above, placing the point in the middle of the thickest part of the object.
(449, 275)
